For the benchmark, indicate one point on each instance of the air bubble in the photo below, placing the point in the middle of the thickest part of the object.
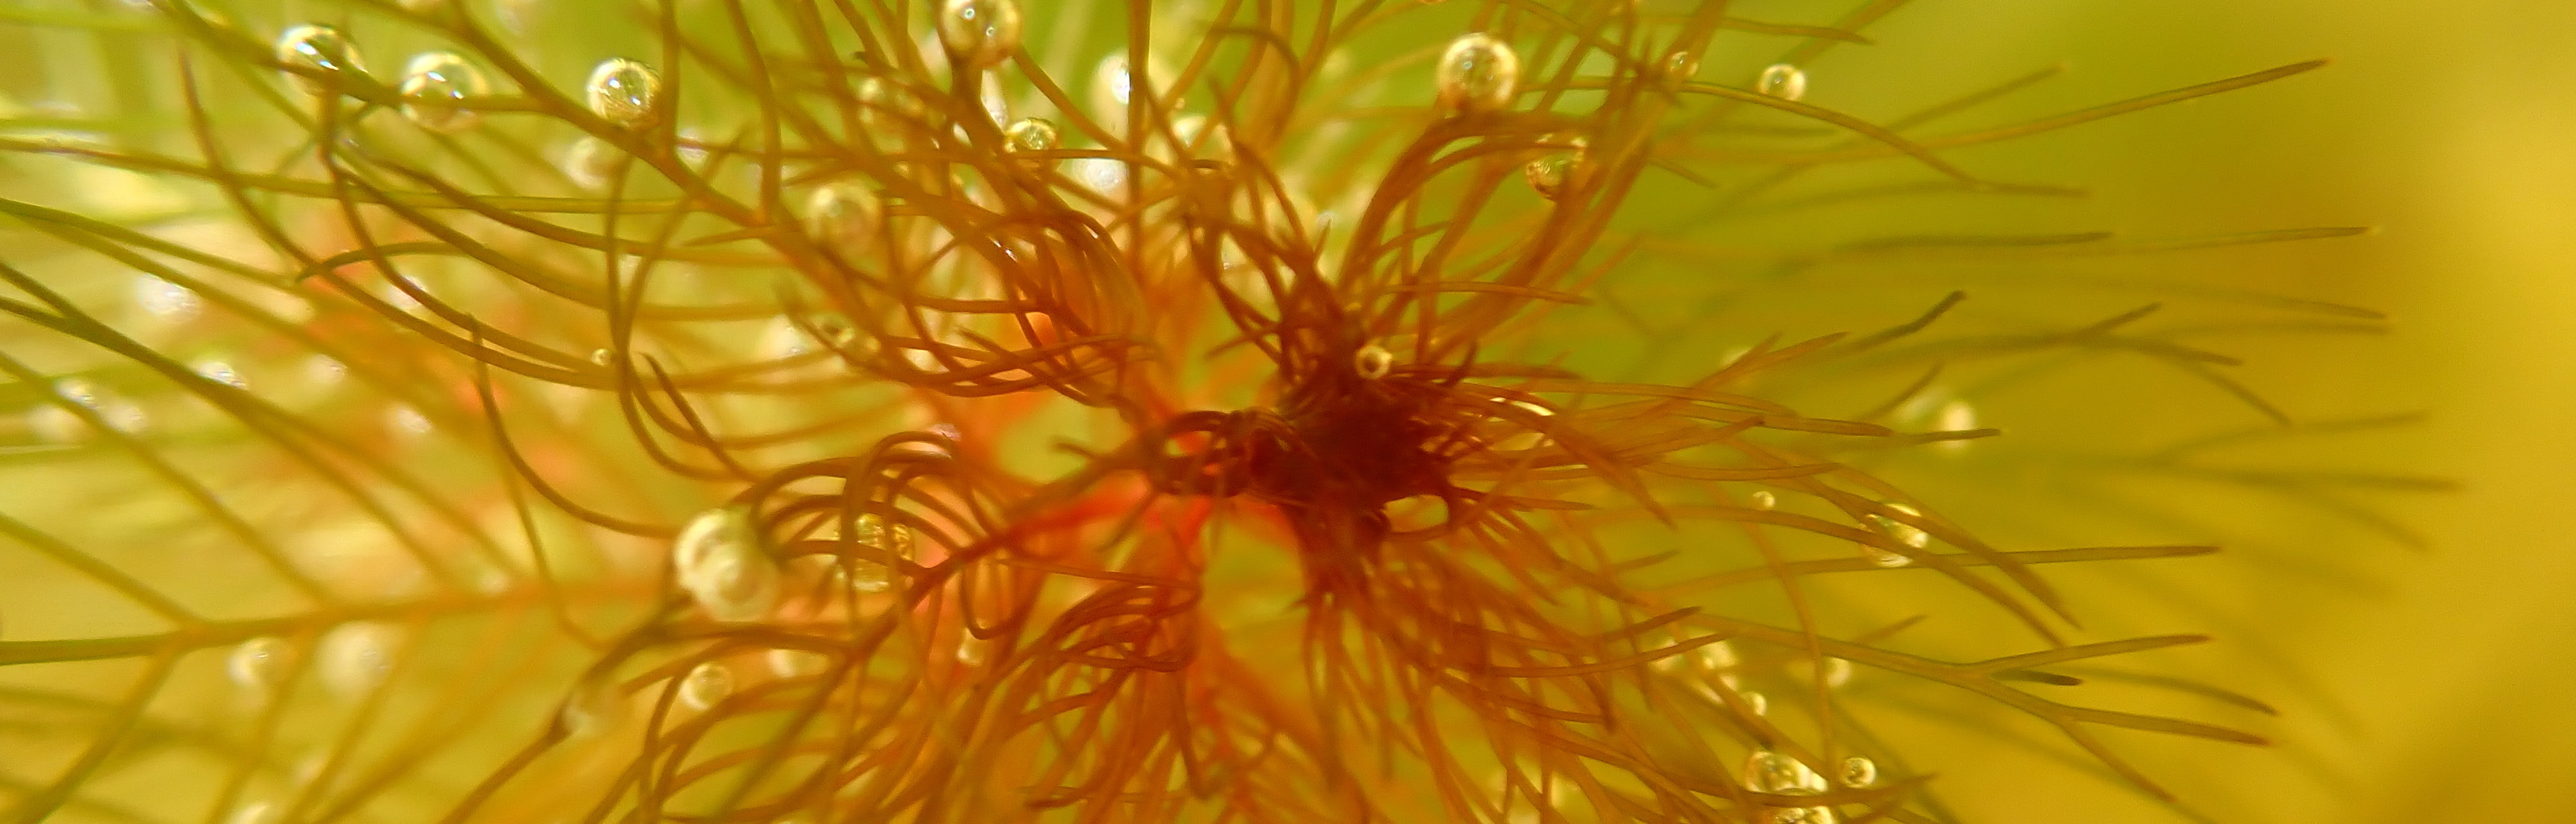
(432, 86)
(1904, 533)
(593, 709)
(973, 651)
(877, 533)
(1029, 134)
(718, 559)
(979, 33)
(602, 357)
(1783, 81)
(1764, 501)
(1859, 772)
(1760, 704)
(842, 216)
(706, 685)
(169, 302)
(257, 664)
(625, 93)
(321, 49)
(356, 658)
(1373, 361)
(324, 370)
(1680, 68)
(794, 663)
(126, 416)
(1955, 416)
(1770, 772)
(1477, 74)
(1800, 815)
(590, 162)
(77, 391)
(1550, 175)
(407, 421)
(220, 372)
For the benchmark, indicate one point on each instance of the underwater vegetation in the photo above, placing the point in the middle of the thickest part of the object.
(979, 410)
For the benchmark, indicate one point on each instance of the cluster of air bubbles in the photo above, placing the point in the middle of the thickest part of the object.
(1373, 362)
(354, 659)
(433, 86)
(1029, 134)
(706, 685)
(882, 536)
(1477, 73)
(257, 665)
(1783, 81)
(979, 33)
(322, 55)
(1771, 772)
(1552, 174)
(166, 301)
(719, 560)
(626, 93)
(220, 372)
(1904, 533)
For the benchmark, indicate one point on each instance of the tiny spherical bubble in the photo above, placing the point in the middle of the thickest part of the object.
(257, 664)
(1771, 772)
(842, 216)
(1716, 656)
(1764, 501)
(625, 92)
(719, 560)
(166, 301)
(1550, 175)
(1030, 134)
(1955, 416)
(356, 658)
(1783, 81)
(321, 49)
(973, 651)
(432, 86)
(1373, 361)
(1478, 74)
(979, 33)
(706, 685)
(1105, 175)
(601, 357)
(1760, 704)
(220, 372)
(1859, 771)
(1680, 67)
(704, 536)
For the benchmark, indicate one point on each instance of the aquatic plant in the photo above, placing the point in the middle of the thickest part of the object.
(965, 411)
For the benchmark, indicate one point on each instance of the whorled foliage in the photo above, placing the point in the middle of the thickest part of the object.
(883, 411)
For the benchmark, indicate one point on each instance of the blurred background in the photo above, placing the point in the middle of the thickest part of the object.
(2417, 684)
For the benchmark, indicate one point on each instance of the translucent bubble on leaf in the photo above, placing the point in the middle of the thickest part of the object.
(1904, 533)
(706, 685)
(593, 708)
(1477, 73)
(1763, 500)
(1783, 81)
(841, 216)
(1030, 134)
(432, 86)
(794, 663)
(165, 301)
(353, 659)
(1771, 772)
(1373, 361)
(220, 372)
(625, 92)
(323, 52)
(257, 664)
(1859, 771)
(979, 33)
(719, 560)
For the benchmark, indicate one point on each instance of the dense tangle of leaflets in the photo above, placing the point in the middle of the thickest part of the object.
(1468, 649)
